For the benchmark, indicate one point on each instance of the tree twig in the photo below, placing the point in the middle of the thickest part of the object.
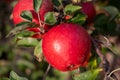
(105, 63)
(113, 72)
(108, 75)
(100, 54)
(44, 77)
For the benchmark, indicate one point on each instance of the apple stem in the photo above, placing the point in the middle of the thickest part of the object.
(48, 69)
(40, 22)
(39, 19)
(43, 24)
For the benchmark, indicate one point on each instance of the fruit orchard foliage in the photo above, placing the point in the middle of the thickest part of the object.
(59, 35)
(65, 46)
(67, 42)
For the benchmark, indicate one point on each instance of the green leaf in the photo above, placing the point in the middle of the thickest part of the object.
(37, 4)
(57, 2)
(100, 24)
(71, 9)
(93, 64)
(14, 76)
(27, 42)
(78, 18)
(88, 75)
(27, 15)
(38, 51)
(50, 18)
(22, 23)
(112, 28)
(25, 33)
(25, 64)
(113, 11)
(22, 26)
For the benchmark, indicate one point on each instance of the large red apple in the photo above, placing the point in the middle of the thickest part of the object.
(28, 5)
(66, 46)
(89, 9)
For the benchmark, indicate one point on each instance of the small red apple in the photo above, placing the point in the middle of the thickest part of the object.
(89, 9)
(28, 5)
(66, 46)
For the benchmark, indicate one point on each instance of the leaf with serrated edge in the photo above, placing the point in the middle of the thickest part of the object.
(27, 15)
(37, 4)
(88, 75)
(50, 18)
(70, 9)
(16, 30)
(38, 51)
(14, 76)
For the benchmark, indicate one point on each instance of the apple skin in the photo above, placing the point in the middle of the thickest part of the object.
(89, 9)
(37, 35)
(66, 46)
(37, 29)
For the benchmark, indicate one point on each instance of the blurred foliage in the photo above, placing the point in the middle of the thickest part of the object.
(22, 60)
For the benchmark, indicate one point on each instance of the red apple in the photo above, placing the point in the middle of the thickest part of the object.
(66, 46)
(28, 5)
(89, 9)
